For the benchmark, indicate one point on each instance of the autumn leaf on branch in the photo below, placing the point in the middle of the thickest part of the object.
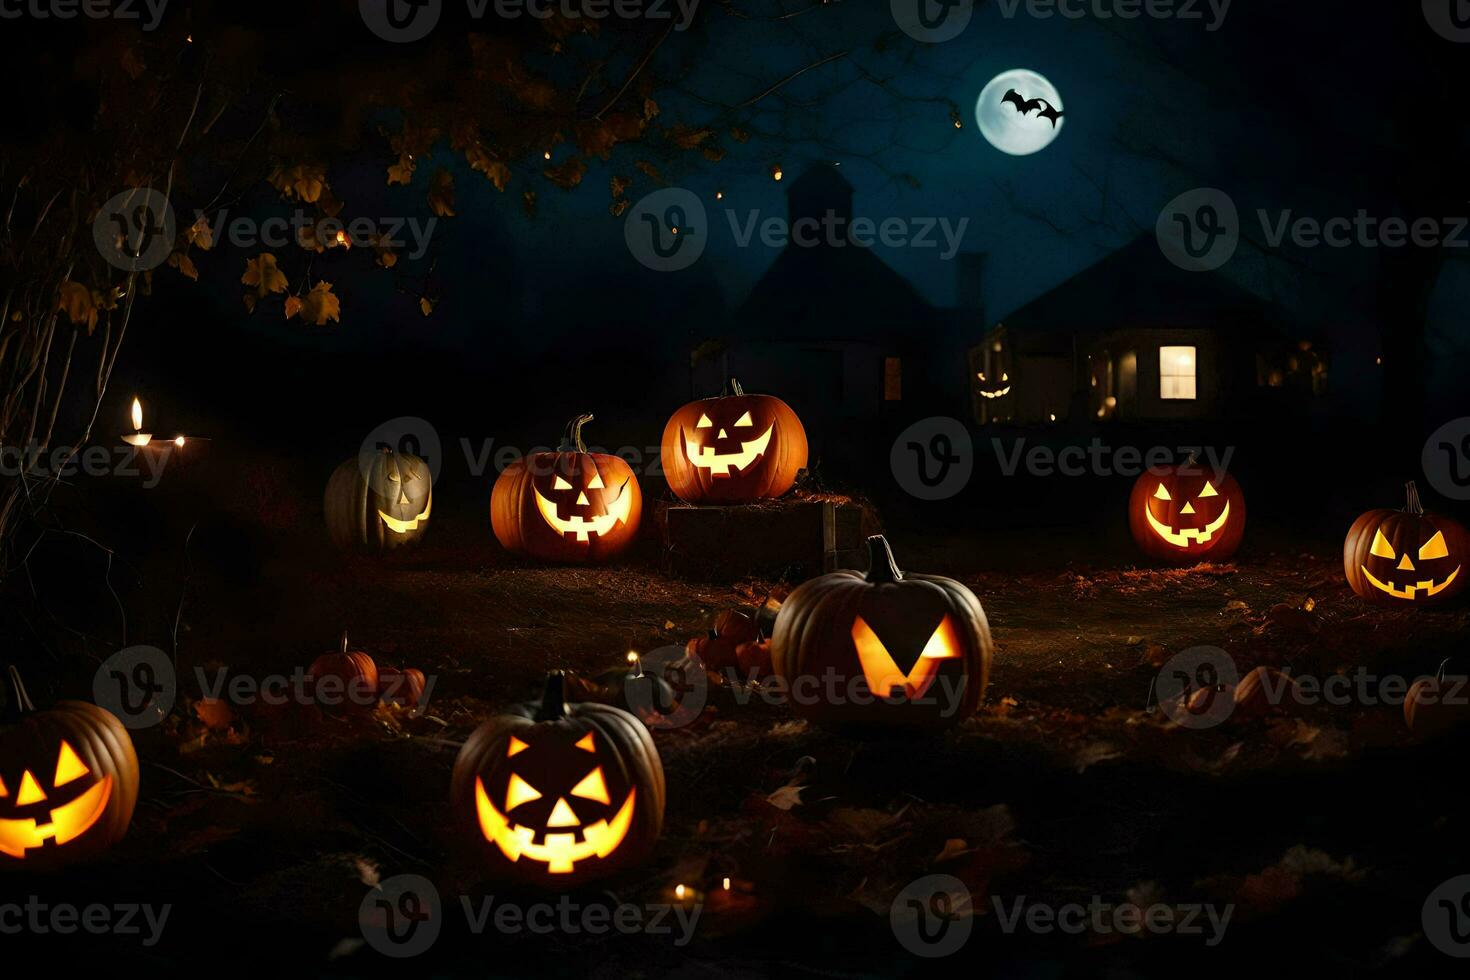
(619, 185)
(319, 306)
(293, 306)
(480, 159)
(199, 234)
(686, 138)
(566, 175)
(303, 182)
(261, 274)
(75, 300)
(185, 265)
(441, 194)
(402, 171)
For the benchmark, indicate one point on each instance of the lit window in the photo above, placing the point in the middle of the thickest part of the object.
(892, 379)
(1177, 373)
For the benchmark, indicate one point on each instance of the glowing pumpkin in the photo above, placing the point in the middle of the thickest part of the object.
(1405, 556)
(885, 648)
(556, 794)
(569, 505)
(68, 782)
(734, 449)
(379, 501)
(1184, 515)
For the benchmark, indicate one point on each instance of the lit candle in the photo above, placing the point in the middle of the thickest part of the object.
(138, 436)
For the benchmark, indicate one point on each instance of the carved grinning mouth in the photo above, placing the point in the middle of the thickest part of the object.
(1181, 538)
(725, 464)
(559, 852)
(403, 527)
(584, 527)
(1428, 587)
(68, 822)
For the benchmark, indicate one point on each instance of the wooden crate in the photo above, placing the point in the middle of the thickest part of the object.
(794, 539)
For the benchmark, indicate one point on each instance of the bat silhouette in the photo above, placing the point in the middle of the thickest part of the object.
(1024, 106)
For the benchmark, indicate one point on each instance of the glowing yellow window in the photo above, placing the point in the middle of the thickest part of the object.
(1177, 367)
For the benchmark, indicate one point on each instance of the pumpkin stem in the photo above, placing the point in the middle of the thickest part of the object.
(881, 566)
(344, 641)
(735, 388)
(18, 689)
(1442, 668)
(1413, 506)
(554, 700)
(572, 438)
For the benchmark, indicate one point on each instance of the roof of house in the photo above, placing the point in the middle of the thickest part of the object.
(825, 291)
(1136, 286)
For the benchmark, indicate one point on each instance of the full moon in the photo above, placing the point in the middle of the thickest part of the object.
(1019, 112)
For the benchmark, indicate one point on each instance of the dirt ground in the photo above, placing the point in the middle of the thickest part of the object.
(1324, 829)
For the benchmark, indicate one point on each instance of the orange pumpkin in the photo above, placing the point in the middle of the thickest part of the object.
(1398, 557)
(68, 781)
(1184, 515)
(734, 449)
(354, 676)
(569, 505)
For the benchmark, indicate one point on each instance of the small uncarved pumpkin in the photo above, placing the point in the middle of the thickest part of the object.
(68, 781)
(402, 688)
(884, 649)
(379, 501)
(569, 505)
(353, 677)
(1405, 557)
(555, 795)
(1185, 515)
(1265, 691)
(1436, 706)
(734, 449)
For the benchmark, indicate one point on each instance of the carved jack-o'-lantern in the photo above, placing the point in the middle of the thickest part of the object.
(557, 794)
(1405, 556)
(735, 449)
(68, 782)
(1184, 514)
(885, 648)
(379, 501)
(990, 390)
(569, 505)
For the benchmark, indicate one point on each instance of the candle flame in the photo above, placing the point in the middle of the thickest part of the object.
(179, 442)
(727, 884)
(137, 415)
(679, 892)
(632, 656)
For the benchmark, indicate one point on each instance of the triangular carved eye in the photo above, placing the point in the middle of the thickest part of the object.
(744, 420)
(1209, 491)
(1434, 547)
(516, 745)
(1161, 493)
(586, 744)
(596, 482)
(68, 766)
(592, 787)
(3, 791)
(1381, 547)
(703, 423)
(30, 790)
(519, 791)
(559, 484)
